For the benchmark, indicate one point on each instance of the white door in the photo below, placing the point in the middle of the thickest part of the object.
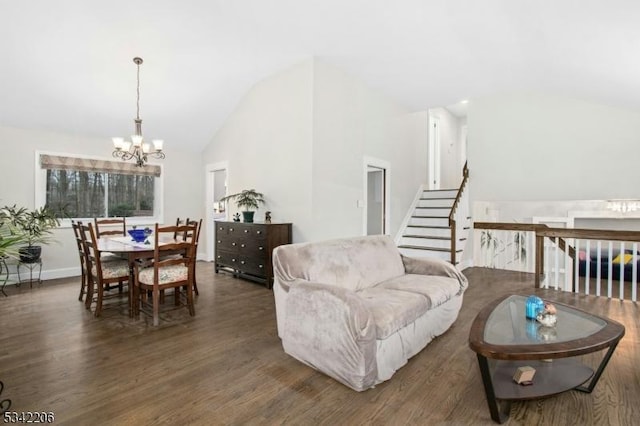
(375, 201)
(216, 187)
(375, 215)
(434, 153)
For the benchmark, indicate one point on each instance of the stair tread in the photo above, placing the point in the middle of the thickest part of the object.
(429, 237)
(431, 217)
(427, 248)
(437, 198)
(428, 226)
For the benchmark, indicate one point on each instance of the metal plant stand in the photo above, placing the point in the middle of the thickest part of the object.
(4, 275)
(30, 266)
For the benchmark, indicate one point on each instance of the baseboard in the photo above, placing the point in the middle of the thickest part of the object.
(466, 264)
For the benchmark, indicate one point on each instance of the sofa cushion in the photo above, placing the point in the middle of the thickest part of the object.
(398, 302)
(437, 290)
(353, 263)
(392, 309)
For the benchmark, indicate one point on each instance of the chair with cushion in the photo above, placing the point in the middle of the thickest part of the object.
(101, 274)
(166, 271)
(83, 268)
(196, 236)
(111, 226)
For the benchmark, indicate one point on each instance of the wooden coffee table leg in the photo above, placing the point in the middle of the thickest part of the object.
(498, 414)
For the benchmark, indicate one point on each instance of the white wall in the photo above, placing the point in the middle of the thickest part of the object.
(300, 136)
(539, 147)
(267, 143)
(450, 164)
(182, 183)
(351, 121)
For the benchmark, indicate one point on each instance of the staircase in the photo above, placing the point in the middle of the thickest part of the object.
(436, 217)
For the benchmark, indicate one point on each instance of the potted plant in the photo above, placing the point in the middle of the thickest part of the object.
(34, 226)
(249, 199)
(10, 239)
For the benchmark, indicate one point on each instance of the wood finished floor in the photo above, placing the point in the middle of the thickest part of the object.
(226, 365)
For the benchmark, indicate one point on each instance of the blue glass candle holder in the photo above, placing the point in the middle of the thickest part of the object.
(533, 305)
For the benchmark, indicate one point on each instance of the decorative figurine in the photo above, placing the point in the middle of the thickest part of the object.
(547, 316)
(267, 217)
(236, 217)
(524, 375)
(533, 305)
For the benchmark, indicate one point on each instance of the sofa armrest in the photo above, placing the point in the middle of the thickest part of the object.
(434, 266)
(331, 329)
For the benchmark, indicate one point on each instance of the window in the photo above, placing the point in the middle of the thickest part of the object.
(86, 187)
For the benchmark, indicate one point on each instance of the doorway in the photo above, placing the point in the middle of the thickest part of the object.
(376, 196)
(375, 201)
(434, 152)
(216, 187)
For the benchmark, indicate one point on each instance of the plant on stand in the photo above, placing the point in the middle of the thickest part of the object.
(34, 227)
(249, 199)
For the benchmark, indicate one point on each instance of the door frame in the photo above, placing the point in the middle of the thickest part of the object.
(210, 170)
(386, 167)
(434, 159)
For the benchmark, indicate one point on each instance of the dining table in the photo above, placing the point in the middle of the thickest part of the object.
(129, 250)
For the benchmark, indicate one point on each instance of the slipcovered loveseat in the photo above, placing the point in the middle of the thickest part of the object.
(357, 310)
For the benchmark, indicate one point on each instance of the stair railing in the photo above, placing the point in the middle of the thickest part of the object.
(452, 213)
(585, 257)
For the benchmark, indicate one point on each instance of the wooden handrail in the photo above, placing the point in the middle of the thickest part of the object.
(452, 221)
(465, 178)
(591, 234)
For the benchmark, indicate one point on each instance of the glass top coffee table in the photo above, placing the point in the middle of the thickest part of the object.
(502, 333)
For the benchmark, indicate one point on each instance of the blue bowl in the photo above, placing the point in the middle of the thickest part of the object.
(139, 235)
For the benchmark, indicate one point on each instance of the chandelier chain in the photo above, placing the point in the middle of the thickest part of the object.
(138, 93)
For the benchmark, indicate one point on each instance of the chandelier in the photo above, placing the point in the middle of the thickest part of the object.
(137, 149)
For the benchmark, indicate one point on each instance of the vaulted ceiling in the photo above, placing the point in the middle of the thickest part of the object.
(66, 65)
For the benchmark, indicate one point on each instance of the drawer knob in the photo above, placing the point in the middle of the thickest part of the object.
(219, 241)
(233, 244)
(246, 230)
(258, 232)
(242, 245)
(260, 248)
(260, 266)
(242, 262)
(233, 260)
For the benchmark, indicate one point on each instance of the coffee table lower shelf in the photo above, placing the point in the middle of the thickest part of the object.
(551, 378)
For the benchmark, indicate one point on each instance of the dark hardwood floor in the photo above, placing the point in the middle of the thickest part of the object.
(226, 365)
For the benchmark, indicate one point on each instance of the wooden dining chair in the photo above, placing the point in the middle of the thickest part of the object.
(83, 267)
(109, 226)
(166, 272)
(178, 223)
(196, 237)
(101, 274)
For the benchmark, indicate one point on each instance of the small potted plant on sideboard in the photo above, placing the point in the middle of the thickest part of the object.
(249, 199)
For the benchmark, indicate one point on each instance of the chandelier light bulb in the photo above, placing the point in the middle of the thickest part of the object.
(117, 143)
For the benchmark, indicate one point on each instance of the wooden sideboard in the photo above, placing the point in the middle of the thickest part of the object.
(245, 249)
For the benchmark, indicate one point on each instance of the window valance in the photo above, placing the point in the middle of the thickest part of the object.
(91, 165)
